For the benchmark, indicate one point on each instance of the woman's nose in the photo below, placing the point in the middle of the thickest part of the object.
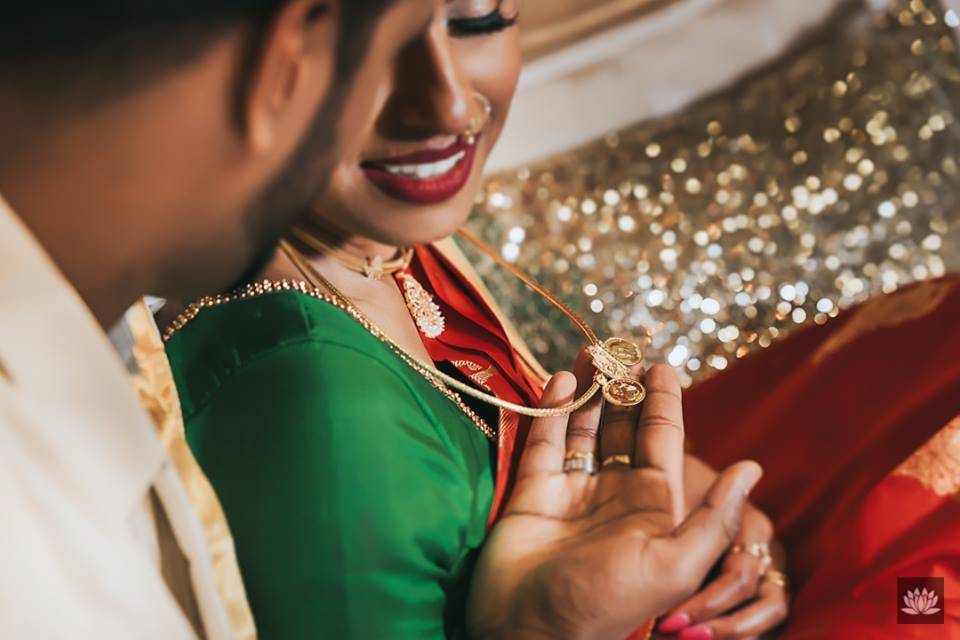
(433, 94)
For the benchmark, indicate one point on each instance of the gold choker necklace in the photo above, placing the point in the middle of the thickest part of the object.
(372, 267)
(426, 313)
(612, 358)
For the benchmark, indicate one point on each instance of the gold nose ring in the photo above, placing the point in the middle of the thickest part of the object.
(478, 123)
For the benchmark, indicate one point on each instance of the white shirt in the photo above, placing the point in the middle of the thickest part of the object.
(79, 554)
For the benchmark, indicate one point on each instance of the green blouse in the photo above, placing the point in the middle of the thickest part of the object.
(357, 493)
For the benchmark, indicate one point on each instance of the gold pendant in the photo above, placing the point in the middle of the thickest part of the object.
(623, 350)
(373, 268)
(613, 359)
(424, 310)
(624, 392)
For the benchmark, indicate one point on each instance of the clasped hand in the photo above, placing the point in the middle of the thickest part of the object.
(597, 556)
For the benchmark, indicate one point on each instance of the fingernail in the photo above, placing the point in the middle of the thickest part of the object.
(699, 632)
(750, 478)
(674, 623)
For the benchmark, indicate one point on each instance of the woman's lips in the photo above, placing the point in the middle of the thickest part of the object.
(425, 177)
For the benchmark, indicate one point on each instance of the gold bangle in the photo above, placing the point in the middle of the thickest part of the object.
(621, 459)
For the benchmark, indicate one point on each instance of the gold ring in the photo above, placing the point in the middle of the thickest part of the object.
(773, 576)
(621, 459)
(581, 461)
(759, 550)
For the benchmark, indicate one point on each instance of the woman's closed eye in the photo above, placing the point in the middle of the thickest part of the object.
(465, 26)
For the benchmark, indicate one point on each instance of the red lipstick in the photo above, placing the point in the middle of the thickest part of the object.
(428, 176)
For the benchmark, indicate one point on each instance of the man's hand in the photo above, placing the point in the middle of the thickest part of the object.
(597, 556)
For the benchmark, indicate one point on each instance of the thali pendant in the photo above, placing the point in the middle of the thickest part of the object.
(373, 268)
(624, 392)
(625, 351)
(613, 359)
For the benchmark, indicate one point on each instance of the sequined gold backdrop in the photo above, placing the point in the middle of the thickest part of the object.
(825, 178)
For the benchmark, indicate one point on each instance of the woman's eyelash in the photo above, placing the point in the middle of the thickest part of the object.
(490, 23)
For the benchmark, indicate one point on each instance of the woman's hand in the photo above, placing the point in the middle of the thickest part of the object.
(738, 603)
(596, 556)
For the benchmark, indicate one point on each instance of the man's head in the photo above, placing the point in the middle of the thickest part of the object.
(163, 146)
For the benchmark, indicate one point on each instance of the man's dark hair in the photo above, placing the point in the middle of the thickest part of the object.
(117, 45)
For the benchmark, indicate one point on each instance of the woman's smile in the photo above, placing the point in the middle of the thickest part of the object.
(428, 176)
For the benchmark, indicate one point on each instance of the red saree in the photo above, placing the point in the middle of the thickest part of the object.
(475, 342)
(852, 424)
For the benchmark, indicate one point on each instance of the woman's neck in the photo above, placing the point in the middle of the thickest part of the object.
(357, 246)
(380, 299)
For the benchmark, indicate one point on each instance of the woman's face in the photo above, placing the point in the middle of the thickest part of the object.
(417, 174)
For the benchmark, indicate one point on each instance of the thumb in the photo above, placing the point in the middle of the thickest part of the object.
(544, 450)
(712, 526)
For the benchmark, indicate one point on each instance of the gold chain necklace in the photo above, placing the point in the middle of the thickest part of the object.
(612, 358)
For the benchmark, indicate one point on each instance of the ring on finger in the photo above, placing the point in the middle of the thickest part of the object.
(580, 461)
(778, 578)
(620, 460)
(759, 550)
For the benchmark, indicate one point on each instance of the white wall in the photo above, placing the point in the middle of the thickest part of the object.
(647, 68)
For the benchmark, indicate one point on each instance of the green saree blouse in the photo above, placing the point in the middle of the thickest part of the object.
(358, 493)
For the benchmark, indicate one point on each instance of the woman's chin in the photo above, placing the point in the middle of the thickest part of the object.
(410, 225)
(427, 229)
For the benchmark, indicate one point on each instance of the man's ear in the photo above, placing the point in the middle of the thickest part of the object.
(280, 68)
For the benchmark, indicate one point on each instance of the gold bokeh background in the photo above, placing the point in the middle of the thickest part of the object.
(822, 179)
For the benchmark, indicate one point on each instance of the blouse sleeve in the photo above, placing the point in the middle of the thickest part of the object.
(346, 502)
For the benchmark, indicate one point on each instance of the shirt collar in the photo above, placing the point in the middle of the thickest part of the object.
(66, 380)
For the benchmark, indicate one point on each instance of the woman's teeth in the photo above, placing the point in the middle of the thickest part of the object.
(426, 170)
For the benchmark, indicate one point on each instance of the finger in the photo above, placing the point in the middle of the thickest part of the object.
(618, 428)
(585, 422)
(737, 585)
(738, 582)
(545, 448)
(760, 616)
(659, 439)
(694, 547)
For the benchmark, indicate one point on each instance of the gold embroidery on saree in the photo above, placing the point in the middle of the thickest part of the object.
(158, 394)
(887, 311)
(478, 374)
(937, 463)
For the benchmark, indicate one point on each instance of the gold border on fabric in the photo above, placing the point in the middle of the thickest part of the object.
(888, 310)
(158, 393)
(936, 465)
